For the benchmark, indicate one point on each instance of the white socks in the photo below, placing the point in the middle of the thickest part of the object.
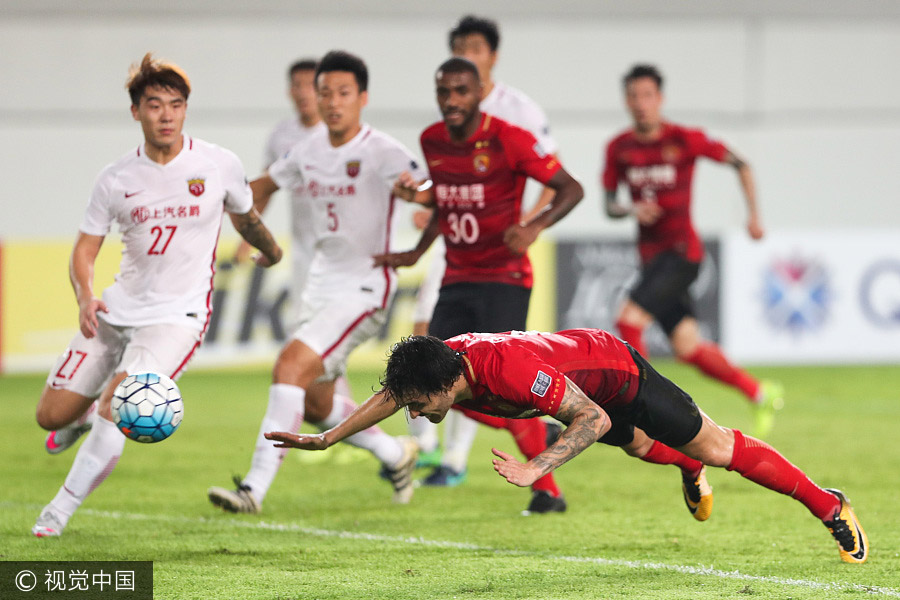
(285, 413)
(459, 435)
(95, 460)
(385, 448)
(425, 432)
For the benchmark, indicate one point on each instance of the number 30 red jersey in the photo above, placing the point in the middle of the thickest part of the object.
(478, 187)
(661, 171)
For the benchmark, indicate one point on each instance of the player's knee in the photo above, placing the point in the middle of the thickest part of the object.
(50, 417)
(297, 369)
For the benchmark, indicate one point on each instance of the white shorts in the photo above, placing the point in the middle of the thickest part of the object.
(427, 296)
(87, 365)
(333, 328)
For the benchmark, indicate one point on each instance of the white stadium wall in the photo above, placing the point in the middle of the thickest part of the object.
(808, 94)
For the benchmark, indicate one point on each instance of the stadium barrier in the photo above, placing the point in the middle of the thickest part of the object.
(39, 316)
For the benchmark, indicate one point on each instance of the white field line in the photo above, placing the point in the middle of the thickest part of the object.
(419, 541)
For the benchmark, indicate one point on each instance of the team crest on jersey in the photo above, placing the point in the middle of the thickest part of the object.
(139, 214)
(196, 186)
(482, 162)
(353, 167)
(671, 153)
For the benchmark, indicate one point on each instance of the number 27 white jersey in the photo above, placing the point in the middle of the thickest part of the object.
(170, 217)
(349, 190)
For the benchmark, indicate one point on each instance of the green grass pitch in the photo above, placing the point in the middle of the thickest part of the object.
(328, 529)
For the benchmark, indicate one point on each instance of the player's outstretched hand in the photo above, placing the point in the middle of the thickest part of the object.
(518, 237)
(397, 259)
(515, 472)
(261, 260)
(647, 212)
(302, 441)
(87, 316)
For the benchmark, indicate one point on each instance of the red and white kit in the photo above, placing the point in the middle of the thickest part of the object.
(349, 191)
(169, 217)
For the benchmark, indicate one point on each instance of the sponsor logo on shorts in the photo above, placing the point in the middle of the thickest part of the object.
(541, 384)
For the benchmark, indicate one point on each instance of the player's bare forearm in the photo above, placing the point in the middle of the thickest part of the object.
(568, 193)
(81, 275)
(81, 265)
(543, 201)
(748, 186)
(372, 411)
(252, 229)
(587, 423)
(262, 188)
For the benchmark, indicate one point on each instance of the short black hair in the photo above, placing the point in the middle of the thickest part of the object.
(459, 65)
(639, 71)
(304, 64)
(470, 24)
(420, 365)
(338, 60)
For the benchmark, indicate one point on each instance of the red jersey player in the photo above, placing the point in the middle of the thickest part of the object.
(479, 165)
(602, 389)
(656, 160)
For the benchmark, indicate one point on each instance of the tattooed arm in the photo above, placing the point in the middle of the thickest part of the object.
(252, 229)
(587, 423)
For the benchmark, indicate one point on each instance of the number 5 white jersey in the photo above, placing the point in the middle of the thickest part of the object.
(349, 191)
(170, 217)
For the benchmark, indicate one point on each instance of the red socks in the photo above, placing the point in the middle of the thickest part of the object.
(661, 454)
(633, 335)
(710, 360)
(531, 438)
(762, 464)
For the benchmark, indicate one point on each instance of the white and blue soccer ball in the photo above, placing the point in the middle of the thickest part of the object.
(147, 407)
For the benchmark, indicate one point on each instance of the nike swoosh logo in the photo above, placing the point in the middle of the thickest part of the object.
(127, 195)
(859, 554)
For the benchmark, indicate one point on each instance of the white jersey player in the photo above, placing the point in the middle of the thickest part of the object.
(345, 174)
(285, 135)
(167, 198)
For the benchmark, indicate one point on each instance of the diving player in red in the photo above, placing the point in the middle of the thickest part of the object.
(601, 388)
(655, 159)
(479, 165)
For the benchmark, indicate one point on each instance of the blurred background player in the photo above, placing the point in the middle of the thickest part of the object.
(656, 159)
(477, 40)
(479, 165)
(167, 197)
(344, 173)
(601, 388)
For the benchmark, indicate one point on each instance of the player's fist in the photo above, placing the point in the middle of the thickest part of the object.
(754, 228)
(518, 237)
(647, 213)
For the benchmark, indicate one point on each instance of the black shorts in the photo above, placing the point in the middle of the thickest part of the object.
(662, 409)
(484, 307)
(663, 289)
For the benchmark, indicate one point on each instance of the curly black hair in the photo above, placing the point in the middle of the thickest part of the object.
(420, 365)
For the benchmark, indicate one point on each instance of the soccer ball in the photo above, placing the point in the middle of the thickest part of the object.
(147, 407)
